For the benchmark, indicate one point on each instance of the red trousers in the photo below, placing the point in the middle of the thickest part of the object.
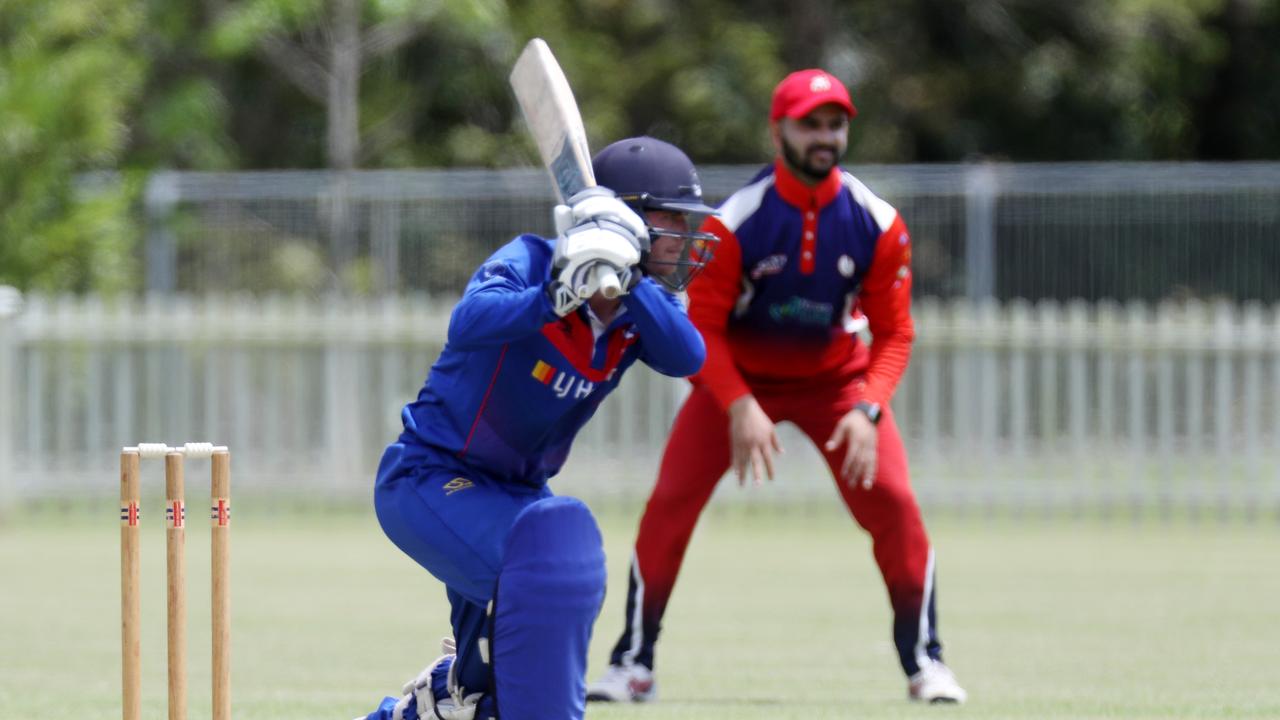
(697, 456)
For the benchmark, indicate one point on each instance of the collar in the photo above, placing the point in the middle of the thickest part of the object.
(576, 340)
(793, 190)
(598, 326)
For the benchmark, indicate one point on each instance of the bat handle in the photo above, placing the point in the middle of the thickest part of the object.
(610, 286)
(602, 278)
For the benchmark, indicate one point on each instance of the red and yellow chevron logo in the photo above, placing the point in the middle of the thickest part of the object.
(543, 373)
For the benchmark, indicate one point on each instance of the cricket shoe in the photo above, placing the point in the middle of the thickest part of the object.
(624, 683)
(935, 683)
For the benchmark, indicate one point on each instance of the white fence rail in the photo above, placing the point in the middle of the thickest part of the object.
(1169, 408)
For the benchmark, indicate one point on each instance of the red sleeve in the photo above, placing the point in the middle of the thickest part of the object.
(886, 301)
(711, 298)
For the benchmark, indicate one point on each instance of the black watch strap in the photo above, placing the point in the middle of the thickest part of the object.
(870, 409)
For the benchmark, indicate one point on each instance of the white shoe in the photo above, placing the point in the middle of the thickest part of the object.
(935, 683)
(624, 683)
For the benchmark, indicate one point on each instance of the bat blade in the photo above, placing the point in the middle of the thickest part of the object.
(552, 114)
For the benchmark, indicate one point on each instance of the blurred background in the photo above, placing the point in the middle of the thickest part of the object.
(246, 222)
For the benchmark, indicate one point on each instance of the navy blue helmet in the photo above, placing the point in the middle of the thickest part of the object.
(651, 175)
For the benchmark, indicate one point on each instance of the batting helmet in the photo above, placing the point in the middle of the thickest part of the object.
(649, 174)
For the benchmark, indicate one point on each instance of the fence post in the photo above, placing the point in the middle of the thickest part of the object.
(340, 226)
(384, 246)
(10, 305)
(980, 189)
(341, 383)
(161, 253)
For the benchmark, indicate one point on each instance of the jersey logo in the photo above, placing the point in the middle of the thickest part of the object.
(771, 265)
(566, 383)
(457, 484)
(846, 266)
(802, 311)
(543, 372)
(562, 383)
(495, 269)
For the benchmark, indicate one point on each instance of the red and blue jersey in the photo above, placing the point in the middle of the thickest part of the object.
(515, 383)
(796, 268)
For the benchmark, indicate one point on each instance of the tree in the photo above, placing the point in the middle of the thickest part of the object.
(69, 78)
(324, 48)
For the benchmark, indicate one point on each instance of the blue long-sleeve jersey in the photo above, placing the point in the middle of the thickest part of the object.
(515, 382)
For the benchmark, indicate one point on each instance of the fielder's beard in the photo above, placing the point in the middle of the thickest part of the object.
(805, 165)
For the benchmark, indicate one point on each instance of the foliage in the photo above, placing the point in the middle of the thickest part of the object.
(69, 78)
(134, 85)
(418, 61)
(935, 81)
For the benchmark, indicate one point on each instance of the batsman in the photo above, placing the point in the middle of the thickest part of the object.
(528, 360)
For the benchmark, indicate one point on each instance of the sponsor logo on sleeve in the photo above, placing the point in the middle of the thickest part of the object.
(771, 265)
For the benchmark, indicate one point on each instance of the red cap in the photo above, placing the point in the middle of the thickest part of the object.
(802, 91)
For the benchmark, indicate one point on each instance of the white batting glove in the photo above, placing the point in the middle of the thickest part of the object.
(599, 247)
(563, 299)
(601, 205)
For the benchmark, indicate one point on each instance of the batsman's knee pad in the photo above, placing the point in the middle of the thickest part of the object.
(549, 593)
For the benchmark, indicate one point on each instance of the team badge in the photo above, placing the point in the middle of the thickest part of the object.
(819, 84)
(846, 266)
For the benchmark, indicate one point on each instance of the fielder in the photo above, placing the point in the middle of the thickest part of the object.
(527, 362)
(805, 251)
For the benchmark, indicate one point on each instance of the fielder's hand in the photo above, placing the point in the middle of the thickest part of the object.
(858, 434)
(753, 438)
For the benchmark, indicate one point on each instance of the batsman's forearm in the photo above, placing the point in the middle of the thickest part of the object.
(672, 345)
(499, 314)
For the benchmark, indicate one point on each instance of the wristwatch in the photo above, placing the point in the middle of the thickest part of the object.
(870, 409)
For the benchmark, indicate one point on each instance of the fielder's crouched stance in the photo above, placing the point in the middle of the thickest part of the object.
(533, 349)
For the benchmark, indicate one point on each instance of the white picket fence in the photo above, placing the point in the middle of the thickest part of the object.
(1168, 409)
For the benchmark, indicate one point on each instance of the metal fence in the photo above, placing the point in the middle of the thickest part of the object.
(1118, 231)
(1091, 335)
(1172, 407)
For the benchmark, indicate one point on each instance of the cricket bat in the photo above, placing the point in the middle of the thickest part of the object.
(552, 114)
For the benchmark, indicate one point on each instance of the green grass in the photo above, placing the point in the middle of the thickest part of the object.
(777, 615)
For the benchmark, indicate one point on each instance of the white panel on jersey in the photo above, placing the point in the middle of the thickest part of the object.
(743, 203)
(882, 212)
